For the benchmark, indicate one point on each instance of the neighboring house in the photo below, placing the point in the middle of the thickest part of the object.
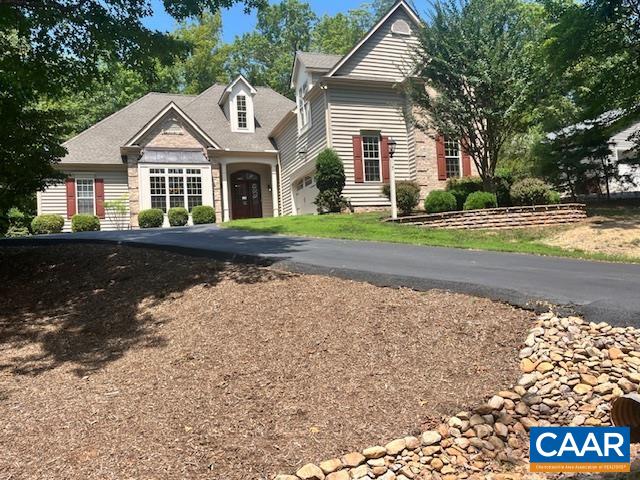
(622, 147)
(250, 152)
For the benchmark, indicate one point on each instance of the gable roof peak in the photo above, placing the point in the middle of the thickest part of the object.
(229, 88)
(400, 4)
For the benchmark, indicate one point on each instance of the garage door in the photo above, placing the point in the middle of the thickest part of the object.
(304, 194)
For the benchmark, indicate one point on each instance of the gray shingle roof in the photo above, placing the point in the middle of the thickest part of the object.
(320, 61)
(100, 144)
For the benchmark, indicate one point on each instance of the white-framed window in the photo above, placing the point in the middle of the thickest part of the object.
(452, 158)
(175, 187)
(85, 196)
(241, 107)
(304, 107)
(371, 158)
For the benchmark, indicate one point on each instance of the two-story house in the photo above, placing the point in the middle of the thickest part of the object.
(250, 152)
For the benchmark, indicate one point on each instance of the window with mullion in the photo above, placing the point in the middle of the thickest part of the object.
(176, 191)
(371, 158)
(158, 190)
(241, 106)
(85, 196)
(452, 158)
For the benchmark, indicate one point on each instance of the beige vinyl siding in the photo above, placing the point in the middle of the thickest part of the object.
(354, 109)
(54, 198)
(384, 54)
(312, 141)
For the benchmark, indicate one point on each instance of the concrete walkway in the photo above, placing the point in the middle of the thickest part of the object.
(600, 291)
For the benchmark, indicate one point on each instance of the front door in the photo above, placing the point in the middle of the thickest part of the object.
(246, 197)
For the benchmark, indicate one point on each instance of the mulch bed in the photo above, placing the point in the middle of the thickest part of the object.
(129, 363)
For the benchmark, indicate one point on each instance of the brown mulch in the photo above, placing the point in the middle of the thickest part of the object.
(130, 363)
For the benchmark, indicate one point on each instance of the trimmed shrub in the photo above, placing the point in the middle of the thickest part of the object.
(407, 195)
(330, 180)
(178, 216)
(479, 200)
(330, 201)
(151, 218)
(13, 232)
(48, 223)
(440, 201)
(85, 223)
(503, 181)
(462, 187)
(554, 197)
(203, 214)
(530, 191)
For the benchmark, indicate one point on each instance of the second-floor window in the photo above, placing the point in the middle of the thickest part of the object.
(452, 158)
(241, 105)
(304, 108)
(371, 158)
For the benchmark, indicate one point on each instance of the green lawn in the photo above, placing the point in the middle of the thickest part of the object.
(368, 226)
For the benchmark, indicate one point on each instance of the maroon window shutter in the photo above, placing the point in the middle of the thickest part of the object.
(99, 188)
(71, 197)
(466, 163)
(442, 166)
(358, 169)
(384, 155)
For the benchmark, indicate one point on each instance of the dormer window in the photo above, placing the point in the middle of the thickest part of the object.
(241, 105)
(237, 102)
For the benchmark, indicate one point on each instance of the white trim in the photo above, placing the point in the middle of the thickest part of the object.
(371, 134)
(373, 30)
(229, 88)
(75, 185)
(163, 112)
(460, 166)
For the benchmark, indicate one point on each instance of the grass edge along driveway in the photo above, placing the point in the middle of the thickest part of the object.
(368, 226)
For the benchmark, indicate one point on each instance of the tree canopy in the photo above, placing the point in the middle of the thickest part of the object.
(479, 76)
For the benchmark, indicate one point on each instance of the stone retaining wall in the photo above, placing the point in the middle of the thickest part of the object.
(497, 218)
(571, 372)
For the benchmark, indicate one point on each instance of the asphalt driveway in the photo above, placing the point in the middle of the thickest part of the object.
(600, 291)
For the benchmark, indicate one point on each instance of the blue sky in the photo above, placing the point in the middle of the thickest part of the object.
(236, 22)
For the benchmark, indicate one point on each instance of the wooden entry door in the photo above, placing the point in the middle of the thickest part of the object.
(246, 197)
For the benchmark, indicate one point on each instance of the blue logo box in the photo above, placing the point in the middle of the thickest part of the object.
(580, 449)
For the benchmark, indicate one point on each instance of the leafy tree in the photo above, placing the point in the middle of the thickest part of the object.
(339, 33)
(478, 62)
(52, 46)
(265, 56)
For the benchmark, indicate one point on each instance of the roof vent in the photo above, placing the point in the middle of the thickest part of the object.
(401, 27)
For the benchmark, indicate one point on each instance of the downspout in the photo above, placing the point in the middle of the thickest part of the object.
(279, 184)
(327, 116)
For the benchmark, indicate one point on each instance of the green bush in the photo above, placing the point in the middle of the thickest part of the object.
(554, 197)
(151, 218)
(461, 188)
(330, 180)
(48, 223)
(85, 223)
(407, 195)
(530, 191)
(13, 232)
(440, 201)
(203, 214)
(478, 200)
(330, 201)
(503, 181)
(178, 216)
(17, 218)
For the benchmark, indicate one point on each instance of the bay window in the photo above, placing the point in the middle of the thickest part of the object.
(175, 187)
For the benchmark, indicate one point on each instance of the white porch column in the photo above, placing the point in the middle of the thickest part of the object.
(225, 192)
(274, 189)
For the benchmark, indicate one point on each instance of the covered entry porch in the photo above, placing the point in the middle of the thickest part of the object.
(248, 187)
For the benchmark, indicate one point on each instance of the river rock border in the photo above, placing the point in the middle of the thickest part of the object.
(571, 372)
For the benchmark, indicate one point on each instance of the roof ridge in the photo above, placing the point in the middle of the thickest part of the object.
(117, 112)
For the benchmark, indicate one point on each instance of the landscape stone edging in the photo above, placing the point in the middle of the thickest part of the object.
(504, 217)
(571, 372)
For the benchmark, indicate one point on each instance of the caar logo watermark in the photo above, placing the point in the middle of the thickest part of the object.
(580, 449)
